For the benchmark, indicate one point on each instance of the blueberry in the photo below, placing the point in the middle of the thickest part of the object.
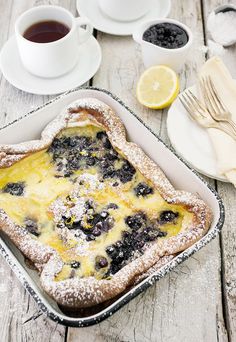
(98, 225)
(105, 164)
(15, 189)
(101, 135)
(151, 234)
(168, 216)
(88, 204)
(108, 224)
(68, 174)
(101, 262)
(135, 221)
(107, 144)
(56, 144)
(104, 214)
(109, 173)
(73, 165)
(139, 244)
(97, 230)
(60, 225)
(84, 142)
(31, 226)
(90, 161)
(90, 237)
(73, 142)
(112, 205)
(114, 268)
(142, 189)
(126, 172)
(124, 177)
(97, 218)
(112, 155)
(75, 264)
(128, 167)
(75, 225)
(111, 251)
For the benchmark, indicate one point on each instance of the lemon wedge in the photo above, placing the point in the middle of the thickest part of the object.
(157, 87)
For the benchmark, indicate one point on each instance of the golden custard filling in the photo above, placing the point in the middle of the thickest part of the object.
(85, 200)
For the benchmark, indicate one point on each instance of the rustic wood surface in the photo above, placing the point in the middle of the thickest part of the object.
(197, 301)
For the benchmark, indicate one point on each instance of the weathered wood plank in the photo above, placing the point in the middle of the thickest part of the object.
(228, 194)
(186, 305)
(20, 318)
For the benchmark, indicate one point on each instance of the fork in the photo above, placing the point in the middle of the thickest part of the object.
(200, 114)
(214, 104)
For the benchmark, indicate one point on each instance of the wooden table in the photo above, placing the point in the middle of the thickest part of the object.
(197, 301)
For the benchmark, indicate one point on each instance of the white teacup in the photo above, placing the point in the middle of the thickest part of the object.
(125, 10)
(154, 55)
(55, 58)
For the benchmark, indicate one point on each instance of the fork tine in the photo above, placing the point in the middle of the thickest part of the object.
(191, 103)
(195, 102)
(207, 96)
(215, 94)
(186, 106)
(222, 108)
(184, 103)
(190, 106)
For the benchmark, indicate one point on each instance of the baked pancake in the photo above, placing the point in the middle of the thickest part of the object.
(91, 210)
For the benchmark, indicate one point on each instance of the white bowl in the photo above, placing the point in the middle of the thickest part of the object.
(154, 55)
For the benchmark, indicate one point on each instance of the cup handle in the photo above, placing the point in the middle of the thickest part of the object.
(87, 32)
(136, 37)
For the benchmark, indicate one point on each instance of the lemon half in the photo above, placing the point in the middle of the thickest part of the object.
(157, 87)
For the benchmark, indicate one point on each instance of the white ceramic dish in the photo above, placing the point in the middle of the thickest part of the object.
(90, 57)
(191, 141)
(30, 127)
(154, 55)
(100, 21)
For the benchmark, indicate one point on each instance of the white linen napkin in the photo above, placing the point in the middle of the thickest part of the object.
(224, 146)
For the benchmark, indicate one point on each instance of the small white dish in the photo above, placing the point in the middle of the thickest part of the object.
(12, 68)
(191, 141)
(154, 54)
(100, 21)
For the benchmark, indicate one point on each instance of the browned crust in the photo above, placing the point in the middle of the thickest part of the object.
(89, 291)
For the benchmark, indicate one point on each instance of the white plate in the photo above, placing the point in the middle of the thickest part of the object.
(91, 10)
(191, 141)
(88, 63)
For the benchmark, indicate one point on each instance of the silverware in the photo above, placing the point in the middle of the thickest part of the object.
(214, 104)
(200, 114)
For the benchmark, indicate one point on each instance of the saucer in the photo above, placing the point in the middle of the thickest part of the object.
(12, 68)
(191, 141)
(100, 21)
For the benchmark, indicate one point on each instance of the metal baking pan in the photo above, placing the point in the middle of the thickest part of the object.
(184, 178)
